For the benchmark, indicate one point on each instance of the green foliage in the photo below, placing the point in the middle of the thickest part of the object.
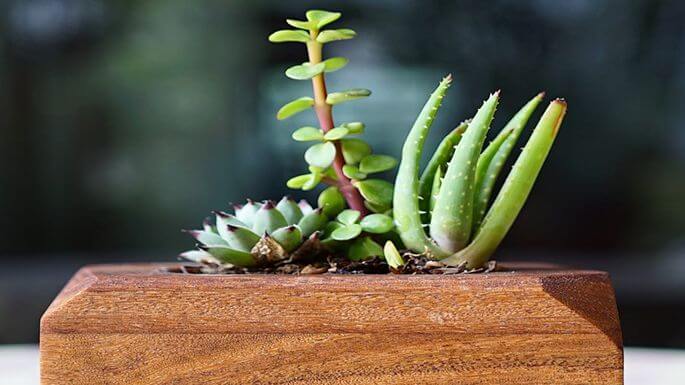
(453, 204)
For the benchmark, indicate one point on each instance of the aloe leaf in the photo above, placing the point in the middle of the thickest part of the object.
(364, 248)
(435, 190)
(451, 221)
(376, 163)
(514, 191)
(301, 24)
(336, 133)
(392, 256)
(307, 134)
(235, 257)
(353, 172)
(345, 96)
(320, 155)
(348, 217)
(377, 223)
(312, 222)
(246, 213)
(335, 63)
(495, 155)
(331, 201)
(375, 191)
(290, 210)
(294, 107)
(289, 35)
(207, 238)
(330, 35)
(440, 158)
(305, 71)
(289, 237)
(320, 18)
(346, 232)
(354, 150)
(267, 219)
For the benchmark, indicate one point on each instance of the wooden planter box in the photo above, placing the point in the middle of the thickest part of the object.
(136, 324)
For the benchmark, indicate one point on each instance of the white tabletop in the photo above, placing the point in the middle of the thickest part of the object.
(19, 366)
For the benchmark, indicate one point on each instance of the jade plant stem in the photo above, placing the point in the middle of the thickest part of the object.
(324, 113)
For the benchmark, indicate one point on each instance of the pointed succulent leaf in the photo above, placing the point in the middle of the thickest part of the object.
(376, 223)
(207, 226)
(235, 257)
(305, 71)
(347, 232)
(435, 190)
(207, 238)
(406, 196)
(331, 201)
(335, 63)
(354, 150)
(330, 35)
(440, 158)
(240, 238)
(290, 210)
(452, 219)
(515, 190)
(336, 133)
(268, 219)
(354, 128)
(353, 172)
(294, 107)
(306, 25)
(364, 248)
(348, 217)
(307, 134)
(289, 35)
(320, 155)
(223, 220)
(305, 207)
(289, 237)
(495, 155)
(392, 256)
(380, 209)
(322, 18)
(246, 212)
(375, 191)
(345, 96)
(313, 222)
(199, 256)
(376, 163)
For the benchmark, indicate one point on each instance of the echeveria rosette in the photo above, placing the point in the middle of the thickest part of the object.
(336, 155)
(444, 214)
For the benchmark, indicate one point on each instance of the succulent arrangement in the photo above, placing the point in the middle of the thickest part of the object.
(444, 216)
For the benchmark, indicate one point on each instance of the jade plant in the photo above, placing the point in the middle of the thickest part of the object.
(441, 217)
(445, 213)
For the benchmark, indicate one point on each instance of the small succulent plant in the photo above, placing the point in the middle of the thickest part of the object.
(337, 158)
(444, 212)
(260, 234)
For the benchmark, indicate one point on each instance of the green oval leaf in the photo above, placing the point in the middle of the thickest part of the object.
(354, 150)
(345, 233)
(307, 134)
(376, 163)
(289, 35)
(348, 216)
(345, 96)
(320, 155)
(330, 35)
(294, 107)
(376, 191)
(381, 209)
(320, 18)
(336, 133)
(297, 182)
(392, 256)
(331, 201)
(335, 63)
(313, 181)
(354, 127)
(301, 24)
(377, 223)
(305, 71)
(364, 248)
(353, 172)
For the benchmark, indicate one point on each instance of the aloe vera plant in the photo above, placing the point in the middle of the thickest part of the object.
(336, 157)
(444, 212)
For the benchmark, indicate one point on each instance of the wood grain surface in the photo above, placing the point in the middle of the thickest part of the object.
(134, 324)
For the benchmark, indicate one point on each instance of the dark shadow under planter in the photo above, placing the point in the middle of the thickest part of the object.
(136, 324)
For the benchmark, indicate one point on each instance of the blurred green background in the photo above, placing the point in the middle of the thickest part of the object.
(125, 121)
